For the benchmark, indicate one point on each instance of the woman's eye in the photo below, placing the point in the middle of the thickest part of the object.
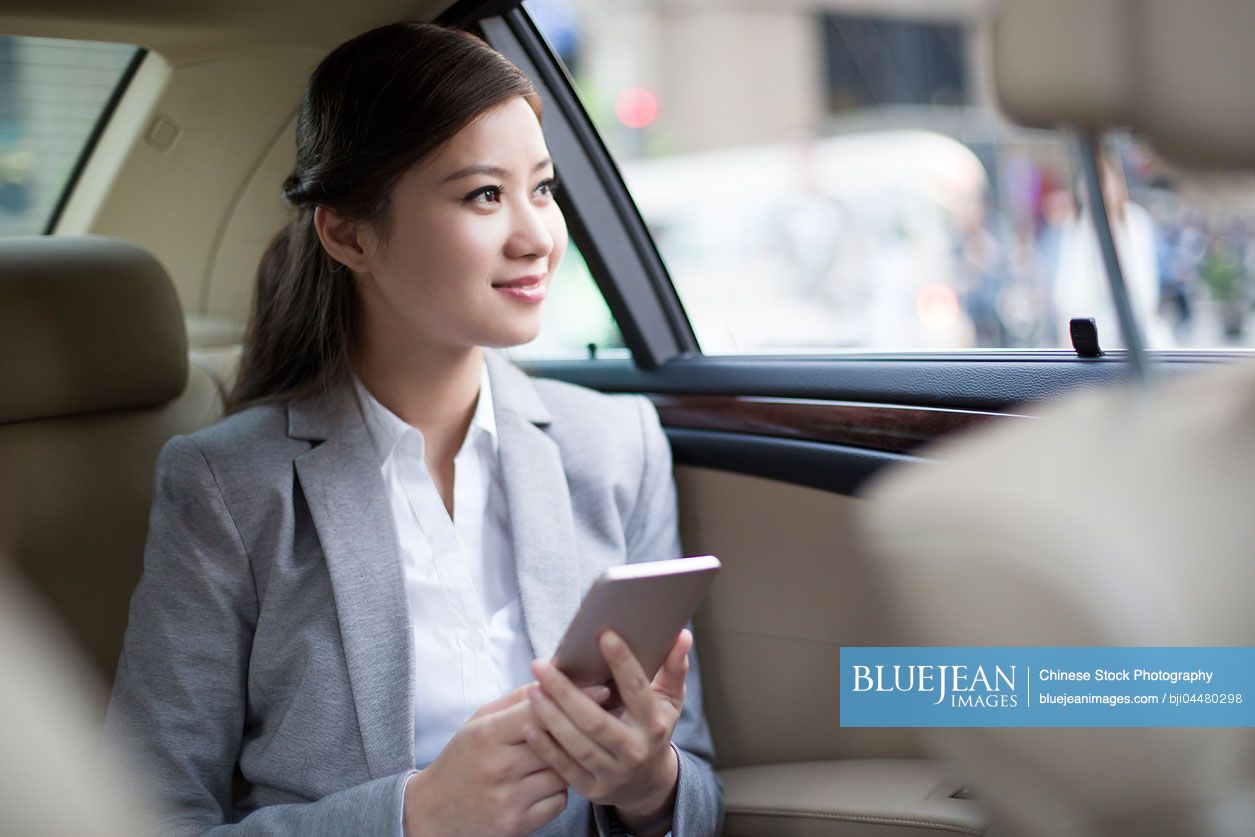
(547, 187)
(488, 194)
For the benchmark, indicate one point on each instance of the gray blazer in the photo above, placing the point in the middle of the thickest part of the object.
(266, 680)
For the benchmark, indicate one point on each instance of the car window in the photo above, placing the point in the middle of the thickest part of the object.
(52, 96)
(576, 323)
(1187, 247)
(820, 180)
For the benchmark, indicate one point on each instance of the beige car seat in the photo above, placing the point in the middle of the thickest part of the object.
(94, 378)
(1113, 519)
(55, 778)
(1121, 518)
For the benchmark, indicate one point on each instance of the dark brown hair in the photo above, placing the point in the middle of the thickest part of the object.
(376, 106)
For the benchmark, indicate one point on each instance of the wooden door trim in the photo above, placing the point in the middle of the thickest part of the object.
(887, 427)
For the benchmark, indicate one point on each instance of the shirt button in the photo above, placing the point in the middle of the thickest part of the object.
(474, 642)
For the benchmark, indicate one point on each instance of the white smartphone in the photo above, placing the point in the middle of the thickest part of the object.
(646, 603)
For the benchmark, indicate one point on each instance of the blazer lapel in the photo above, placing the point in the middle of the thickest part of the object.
(350, 512)
(539, 504)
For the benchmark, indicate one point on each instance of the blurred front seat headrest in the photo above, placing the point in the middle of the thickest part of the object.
(1115, 519)
(1178, 72)
(87, 324)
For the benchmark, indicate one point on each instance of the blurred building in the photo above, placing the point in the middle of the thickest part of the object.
(725, 119)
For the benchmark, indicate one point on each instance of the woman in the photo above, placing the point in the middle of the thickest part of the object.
(349, 577)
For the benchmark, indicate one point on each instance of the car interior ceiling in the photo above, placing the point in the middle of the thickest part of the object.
(80, 428)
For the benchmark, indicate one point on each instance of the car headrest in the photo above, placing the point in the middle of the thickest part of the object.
(87, 324)
(1175, 72)
(1115, 519)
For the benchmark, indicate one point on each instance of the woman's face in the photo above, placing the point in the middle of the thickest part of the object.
(474, 238)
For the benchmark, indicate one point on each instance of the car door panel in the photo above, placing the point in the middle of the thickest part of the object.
(790, 594)
(770, 453)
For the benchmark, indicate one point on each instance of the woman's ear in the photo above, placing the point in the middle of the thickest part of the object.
(342, 239)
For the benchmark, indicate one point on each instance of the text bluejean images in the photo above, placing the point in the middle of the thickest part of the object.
(1047, 687)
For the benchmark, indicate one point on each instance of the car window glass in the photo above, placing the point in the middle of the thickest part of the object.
(52, 94)
(820, 180)
(575, 321)
(1187, 246)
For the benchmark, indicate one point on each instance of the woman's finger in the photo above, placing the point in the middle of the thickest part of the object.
(542, 783)
(504, 702)
(523, 760)
(670, 678)
(599, 694)
(634, 686)
(508, 722)
(587, 752)
(558, 760)
(599, 725)
(544, 810)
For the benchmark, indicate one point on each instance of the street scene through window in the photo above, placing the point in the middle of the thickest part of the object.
(822, 180)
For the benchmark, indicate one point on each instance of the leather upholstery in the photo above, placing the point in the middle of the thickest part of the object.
(50, 755)
(87, 324)
(794, 588)
(856, 798)
(94, 378)
(1119, 518)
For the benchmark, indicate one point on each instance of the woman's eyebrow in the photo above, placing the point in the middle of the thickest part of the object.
(491, 171)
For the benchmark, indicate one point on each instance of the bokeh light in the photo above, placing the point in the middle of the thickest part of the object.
(937, 306)
(636, 107)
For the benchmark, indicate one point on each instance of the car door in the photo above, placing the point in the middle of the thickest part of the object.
(772, 445)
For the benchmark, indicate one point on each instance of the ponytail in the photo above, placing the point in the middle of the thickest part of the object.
(298, 338)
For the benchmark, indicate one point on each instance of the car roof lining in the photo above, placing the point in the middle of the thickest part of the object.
(1171, 70)
(198, 30)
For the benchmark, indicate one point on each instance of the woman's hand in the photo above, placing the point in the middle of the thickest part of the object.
(624, 759)
(487, 780)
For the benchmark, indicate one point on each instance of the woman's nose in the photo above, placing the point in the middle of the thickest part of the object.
(530, 236)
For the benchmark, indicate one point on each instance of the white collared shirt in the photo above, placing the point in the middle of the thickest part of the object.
(460, 580)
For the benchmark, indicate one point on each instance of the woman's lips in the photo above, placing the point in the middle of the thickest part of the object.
(525, 288)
